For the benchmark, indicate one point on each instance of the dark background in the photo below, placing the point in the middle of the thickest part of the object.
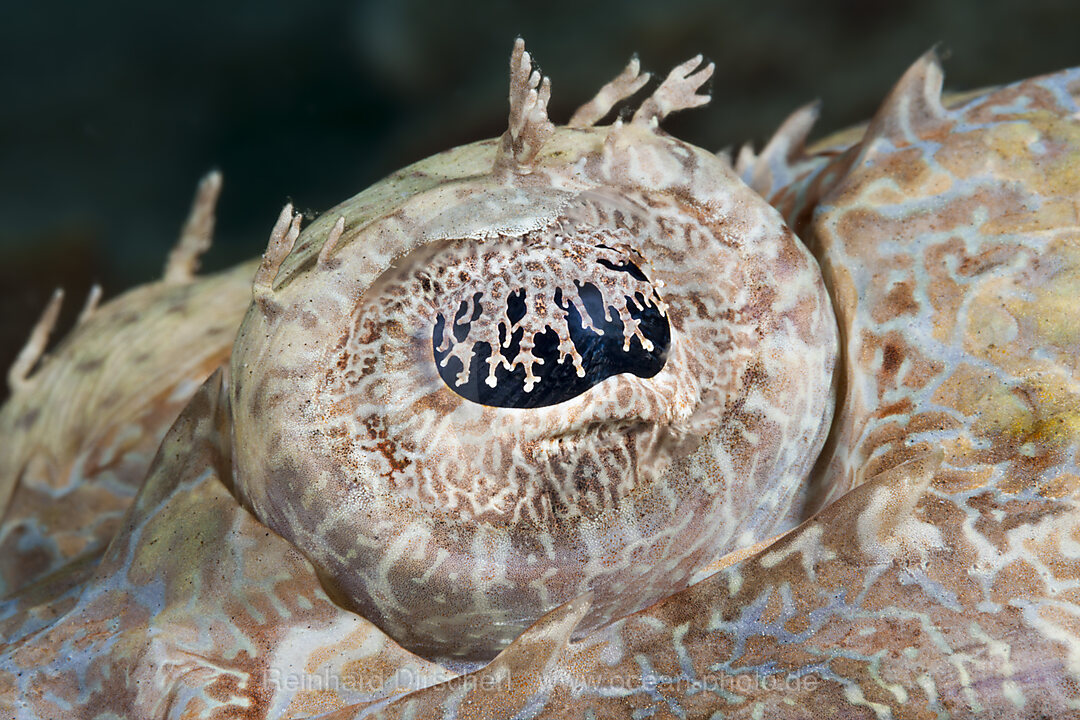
(110, 112)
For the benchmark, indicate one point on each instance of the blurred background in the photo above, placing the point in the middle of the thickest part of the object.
(110, 112)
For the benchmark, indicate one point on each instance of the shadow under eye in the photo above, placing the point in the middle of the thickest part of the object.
(602, 356)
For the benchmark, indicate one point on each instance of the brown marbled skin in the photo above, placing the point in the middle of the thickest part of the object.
(941, 579)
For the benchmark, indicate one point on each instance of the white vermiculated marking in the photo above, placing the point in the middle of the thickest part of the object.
(810, 548)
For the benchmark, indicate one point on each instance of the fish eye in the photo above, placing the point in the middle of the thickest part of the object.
(531, 368)
(596, 335)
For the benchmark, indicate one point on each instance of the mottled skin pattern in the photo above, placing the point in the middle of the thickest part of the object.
(938, 579)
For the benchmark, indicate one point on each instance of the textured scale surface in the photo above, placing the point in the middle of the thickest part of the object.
(847, 492)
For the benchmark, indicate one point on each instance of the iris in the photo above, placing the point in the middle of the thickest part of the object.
(602, 355)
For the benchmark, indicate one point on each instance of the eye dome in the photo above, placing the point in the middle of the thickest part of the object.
(530, 334)
(378, 380)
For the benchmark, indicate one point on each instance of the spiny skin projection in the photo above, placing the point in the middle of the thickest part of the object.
(329, 497)
(584, 312)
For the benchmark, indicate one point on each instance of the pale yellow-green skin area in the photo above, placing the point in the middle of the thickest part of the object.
(941, 577)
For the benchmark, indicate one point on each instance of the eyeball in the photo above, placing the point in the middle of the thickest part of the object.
(539, 320)
(571, 360)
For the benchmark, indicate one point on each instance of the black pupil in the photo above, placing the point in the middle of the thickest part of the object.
(602, 356)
